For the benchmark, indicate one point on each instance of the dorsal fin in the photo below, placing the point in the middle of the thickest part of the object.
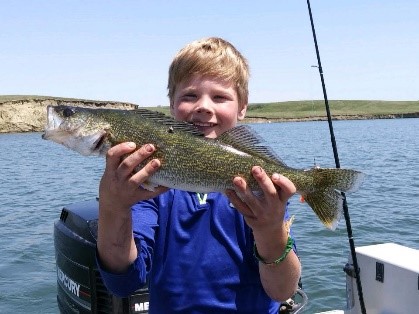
(243, 138)
(168, 121)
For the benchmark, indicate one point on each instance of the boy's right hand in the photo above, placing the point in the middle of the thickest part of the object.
(119, 187)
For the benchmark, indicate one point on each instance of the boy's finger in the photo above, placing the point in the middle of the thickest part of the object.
(149, 169)
(114, 154)
(239, 205)
(245, 194)
(127, 166)
(286, 186)
(264, 182)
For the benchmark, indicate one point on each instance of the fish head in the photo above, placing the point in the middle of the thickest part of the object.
(77, 128)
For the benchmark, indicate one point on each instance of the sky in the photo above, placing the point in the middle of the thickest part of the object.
(121, 50)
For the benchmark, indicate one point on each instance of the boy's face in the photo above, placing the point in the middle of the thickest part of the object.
(209, 103)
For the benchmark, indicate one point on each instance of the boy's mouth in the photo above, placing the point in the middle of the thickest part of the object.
(204, 124)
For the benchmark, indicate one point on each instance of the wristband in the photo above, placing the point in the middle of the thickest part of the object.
(288, 248)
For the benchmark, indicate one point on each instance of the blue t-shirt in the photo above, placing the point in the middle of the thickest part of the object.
(197, 252)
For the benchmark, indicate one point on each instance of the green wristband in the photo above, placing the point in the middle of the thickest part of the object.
(288, 248)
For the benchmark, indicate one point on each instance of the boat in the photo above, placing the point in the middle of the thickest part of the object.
(389, 274)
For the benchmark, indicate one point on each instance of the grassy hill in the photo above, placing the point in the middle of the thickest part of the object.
(307, 109)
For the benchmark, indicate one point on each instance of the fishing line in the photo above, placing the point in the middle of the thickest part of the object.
(336, 156)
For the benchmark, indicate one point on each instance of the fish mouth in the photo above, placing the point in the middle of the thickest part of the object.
(53, 123)
(99, 144)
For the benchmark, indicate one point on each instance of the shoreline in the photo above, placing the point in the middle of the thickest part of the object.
(28, 113)
(251, 119)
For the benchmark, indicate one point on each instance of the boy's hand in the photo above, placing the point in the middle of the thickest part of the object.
(119, 188)
(265, 213)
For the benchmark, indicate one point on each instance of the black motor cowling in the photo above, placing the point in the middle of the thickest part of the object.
(79, 284)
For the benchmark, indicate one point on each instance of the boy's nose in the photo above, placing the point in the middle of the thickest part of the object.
(204, 105)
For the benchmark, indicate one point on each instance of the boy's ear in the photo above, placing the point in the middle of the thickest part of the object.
(172, 109)
(242, 112)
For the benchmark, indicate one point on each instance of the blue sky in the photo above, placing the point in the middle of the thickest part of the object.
(121, 50)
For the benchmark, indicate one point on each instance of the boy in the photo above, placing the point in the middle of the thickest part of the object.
(200, 252)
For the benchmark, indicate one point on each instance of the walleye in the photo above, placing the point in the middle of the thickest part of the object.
(191, 162)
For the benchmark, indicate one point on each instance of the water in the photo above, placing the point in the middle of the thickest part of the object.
(39, 177)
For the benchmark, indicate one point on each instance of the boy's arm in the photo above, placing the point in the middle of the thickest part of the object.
(119, 189)
(280, 280)
(144, 224)
(266, 218)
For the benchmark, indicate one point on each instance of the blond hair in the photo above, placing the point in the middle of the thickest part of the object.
(214, 57)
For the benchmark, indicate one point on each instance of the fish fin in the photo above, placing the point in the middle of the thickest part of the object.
(243, 138)
(149, 186)
(344, 180)
(172, 124)
(327, 205)
(326, 197)
(288, 223)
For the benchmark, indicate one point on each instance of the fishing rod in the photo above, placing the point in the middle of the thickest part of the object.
(336, 156)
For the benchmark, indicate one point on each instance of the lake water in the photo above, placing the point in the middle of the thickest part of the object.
(39, 177)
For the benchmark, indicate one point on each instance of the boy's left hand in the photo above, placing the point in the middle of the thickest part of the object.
(265, 212)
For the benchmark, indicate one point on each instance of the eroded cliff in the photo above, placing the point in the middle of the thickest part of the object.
(26, 114)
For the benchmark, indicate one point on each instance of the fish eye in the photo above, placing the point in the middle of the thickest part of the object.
(68, 112)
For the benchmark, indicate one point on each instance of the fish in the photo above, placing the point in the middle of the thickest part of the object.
(192, 162)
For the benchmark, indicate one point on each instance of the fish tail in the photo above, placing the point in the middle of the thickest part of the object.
(326, 198)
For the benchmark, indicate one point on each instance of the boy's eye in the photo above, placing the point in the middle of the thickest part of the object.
(189, 96)
(220, 98)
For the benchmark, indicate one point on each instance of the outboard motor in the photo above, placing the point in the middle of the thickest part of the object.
(79, 285)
